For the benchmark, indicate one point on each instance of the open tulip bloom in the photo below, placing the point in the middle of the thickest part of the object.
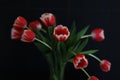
(59, 44)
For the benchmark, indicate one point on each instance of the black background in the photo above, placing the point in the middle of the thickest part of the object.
(20, 60)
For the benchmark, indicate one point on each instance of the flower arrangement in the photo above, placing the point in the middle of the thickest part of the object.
(59, 44)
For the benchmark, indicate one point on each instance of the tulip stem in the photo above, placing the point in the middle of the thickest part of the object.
(95, 57)
(44, 43)
(73, 53)
(27, 27)
(85, 72)
(43, 30)
(86, 36)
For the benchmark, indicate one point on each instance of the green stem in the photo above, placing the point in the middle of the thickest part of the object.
(86, 36)
(56, 67)
(44, 43)
(95, 57)
(43, 30)
(73, 53)
(27, 27)
(57, 74)
(85, 72)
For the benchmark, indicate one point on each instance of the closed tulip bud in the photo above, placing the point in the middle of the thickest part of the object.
(16, 33)
(28, 36)
(98, 34)
(35, 25)
(105, 65)
(20, 23)
(48, 19)
(93, 78)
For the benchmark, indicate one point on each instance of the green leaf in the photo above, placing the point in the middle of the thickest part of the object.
(40, 36)
(50, 35)
(41, 47)
(71, 41)
(81, 33)
(50, 32)
(72, 34)
(76, 46)
(64, 51)
(63, 48)
(58, 47)
(82, 46)
(73, 29)
(75, 38)
(70, 60)
(89, 51)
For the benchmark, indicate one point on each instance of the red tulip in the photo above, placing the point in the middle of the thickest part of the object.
(20, 23)
(105, 65)
(35, 25)
(80, 61)
(28, 36)
(61, 33)
(98, 34)
(16, 33)
(93, 78)
(48, 19)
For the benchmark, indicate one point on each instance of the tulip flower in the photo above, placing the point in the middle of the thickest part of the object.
(35, 25)
(93, 78)
(80, 61)
(61, 33)
(98, 34)
(16, 33)
(20, 23)
(28, 36)
(105, 65)
(48, 19)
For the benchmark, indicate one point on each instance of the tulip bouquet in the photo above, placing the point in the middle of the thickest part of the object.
(60, 45)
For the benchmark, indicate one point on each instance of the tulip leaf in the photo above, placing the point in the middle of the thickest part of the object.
(39, 35)
(59, 52)
(58, 47)
(73, 29)
(81, 33)
(82, 46)
(76, 46)
(50, 31)
(41, 47)
(50, 34)
(63, 47)
(70, 60)
(72, 35)
(75, 39)
(64, 50)
(89, 51)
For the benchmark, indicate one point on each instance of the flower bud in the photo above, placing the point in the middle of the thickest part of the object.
(20, 23)
(28, 36)
(80, 61)
(93, 78)
(16, 33)
(35, 25)
(48, 19)
(105, 65)
(98, 34)
(61, 33)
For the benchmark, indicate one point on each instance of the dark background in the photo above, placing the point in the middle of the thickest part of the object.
(20, 60)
